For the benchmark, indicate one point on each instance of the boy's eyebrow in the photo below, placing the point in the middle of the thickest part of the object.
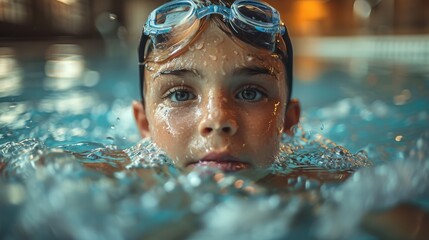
(254, 70)
(178, 72)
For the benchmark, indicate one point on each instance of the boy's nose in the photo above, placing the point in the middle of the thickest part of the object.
(218, 120)
(210, 126)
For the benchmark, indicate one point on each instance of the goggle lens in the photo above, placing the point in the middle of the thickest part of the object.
(172, 15)
(254, 13)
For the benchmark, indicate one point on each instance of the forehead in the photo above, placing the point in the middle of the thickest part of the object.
(216, 50)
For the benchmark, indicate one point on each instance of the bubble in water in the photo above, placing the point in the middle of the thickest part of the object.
(194, 179)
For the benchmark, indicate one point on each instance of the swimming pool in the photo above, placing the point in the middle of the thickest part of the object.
(55, 123)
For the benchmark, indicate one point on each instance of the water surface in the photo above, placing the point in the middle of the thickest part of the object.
(72, 164)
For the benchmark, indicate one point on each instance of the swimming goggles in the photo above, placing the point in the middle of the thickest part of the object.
(175, 24)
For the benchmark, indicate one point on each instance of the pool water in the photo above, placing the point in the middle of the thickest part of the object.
(72, 164)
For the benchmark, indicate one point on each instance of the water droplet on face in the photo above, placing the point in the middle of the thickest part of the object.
(199, 45)
(213, 57)
(276, 107)
(118, 119)
(205, 63)
(217, 40)
(112, 127)
(235, 52)
(249, 58)
(149, 68)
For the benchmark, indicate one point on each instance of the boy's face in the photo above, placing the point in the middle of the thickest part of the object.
(218, 104)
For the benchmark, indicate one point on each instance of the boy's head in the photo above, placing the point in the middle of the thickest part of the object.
(216, 91)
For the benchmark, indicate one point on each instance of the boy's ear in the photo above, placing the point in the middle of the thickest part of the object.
(141, 119)
(292, 114)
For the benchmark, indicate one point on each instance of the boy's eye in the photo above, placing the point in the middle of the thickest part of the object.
(180, 95)
(250, 94)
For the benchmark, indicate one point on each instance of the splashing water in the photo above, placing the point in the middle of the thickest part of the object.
(136, 192)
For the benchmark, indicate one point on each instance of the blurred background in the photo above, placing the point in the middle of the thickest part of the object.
(396, 30)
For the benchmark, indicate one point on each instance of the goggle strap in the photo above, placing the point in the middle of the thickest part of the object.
(142, 51)
(289, 61)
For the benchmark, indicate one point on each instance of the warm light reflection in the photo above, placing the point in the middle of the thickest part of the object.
(11, 85)
(239, 183)
(64, 61)
(7, 61)
(74, 102)
(68, 2)
(70, 15)
(65, 68)
(310, 10)
(218, 177)
(308, 15)
(15, 116)
(10, 74)
(402, 98)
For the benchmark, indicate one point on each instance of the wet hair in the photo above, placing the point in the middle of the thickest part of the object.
(284, 52)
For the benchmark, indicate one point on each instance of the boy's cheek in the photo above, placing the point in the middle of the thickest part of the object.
(171, 127)
(266, 122)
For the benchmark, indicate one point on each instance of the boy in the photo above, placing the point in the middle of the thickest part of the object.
(216, 81)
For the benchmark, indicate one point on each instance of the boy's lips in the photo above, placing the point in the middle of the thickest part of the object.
(222, 161)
